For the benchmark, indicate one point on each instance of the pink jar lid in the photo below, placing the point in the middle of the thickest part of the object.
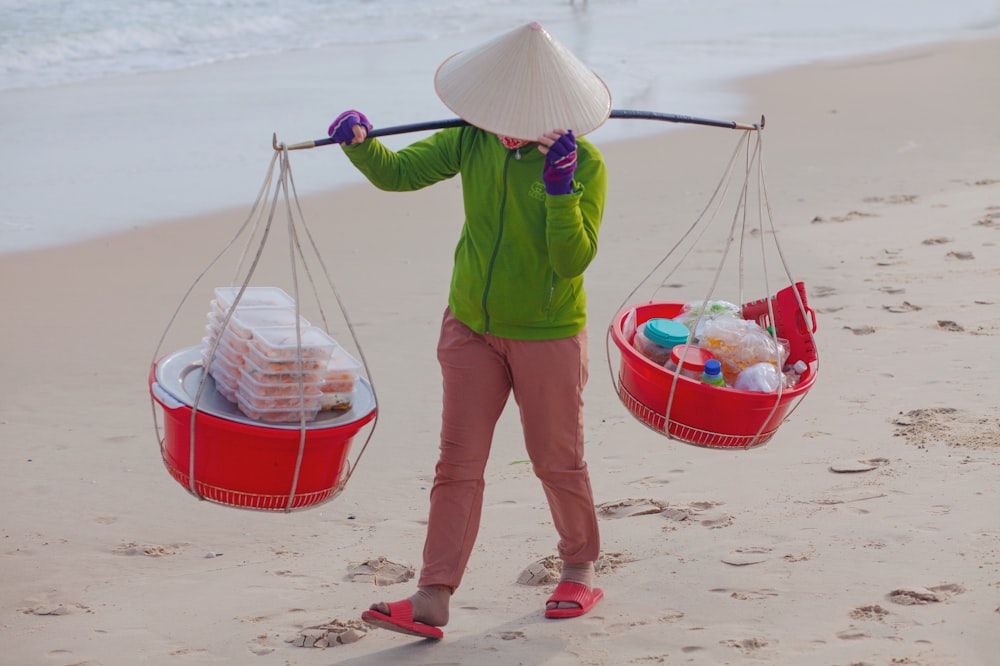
(694, 360)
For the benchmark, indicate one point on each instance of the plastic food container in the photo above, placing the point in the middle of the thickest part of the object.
(284, 372)
(277, 414)
(235, 345)
(288, 400)
(229, 351)
(655, 338)
(341, 372)
(282, 344)
(250, 385)
(246, 319)
(253, 296)
(693, 361)
(221, 364)
(226, 381)
(336, 400)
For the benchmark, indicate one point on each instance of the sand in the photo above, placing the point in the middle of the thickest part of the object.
(864, 532)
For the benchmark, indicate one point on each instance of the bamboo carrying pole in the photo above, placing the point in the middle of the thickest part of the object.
(627, 114)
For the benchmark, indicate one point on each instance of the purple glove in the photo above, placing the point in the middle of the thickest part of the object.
(560, 163)
(342, 129)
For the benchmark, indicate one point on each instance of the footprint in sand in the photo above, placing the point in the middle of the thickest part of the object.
(742, 557)
(675, 513)
(861, 330)
(890, 258)
(854, 466)
(921, 596)
(630, 508)
(938, 240)
(963, 256)
(746, 645)
(853, 215)
(380, 571)
(950, 426)
(905, 306)
(893, 199)
(49, 610)
(873, 612)
(949, 325)
(149, 550)
(991, 218)
(718, 522)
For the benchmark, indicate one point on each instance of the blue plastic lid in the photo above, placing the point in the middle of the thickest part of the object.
(666, 332)
(713, 367)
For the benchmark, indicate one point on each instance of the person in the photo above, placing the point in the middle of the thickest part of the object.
(516, 316)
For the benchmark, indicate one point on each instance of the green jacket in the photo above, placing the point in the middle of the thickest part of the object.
(521, 255)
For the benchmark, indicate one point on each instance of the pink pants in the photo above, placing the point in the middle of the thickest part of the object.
(547, 379)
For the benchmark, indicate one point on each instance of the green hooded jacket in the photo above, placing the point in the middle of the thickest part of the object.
(520, 259)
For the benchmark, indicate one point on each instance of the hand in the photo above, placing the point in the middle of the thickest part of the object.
(559, 148)
(349, 128)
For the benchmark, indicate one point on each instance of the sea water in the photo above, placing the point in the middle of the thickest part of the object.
(120, 113)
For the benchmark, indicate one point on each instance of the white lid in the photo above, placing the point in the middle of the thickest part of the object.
(253, 296)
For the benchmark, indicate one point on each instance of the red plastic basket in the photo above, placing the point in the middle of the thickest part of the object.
(245, 464)
(706, 415)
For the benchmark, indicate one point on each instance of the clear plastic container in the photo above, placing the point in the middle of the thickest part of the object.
(253, 296)
(338, 401)
(224, 351)
(656, 337)
(281, 344)
(312, 371)
(310, 398)
(235, 345)
(246, 319)
(250, 386)
(276, 415)
(221, 357)
(341, 372)
(225, 376)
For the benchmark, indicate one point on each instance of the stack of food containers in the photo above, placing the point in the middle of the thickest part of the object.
(271, 370)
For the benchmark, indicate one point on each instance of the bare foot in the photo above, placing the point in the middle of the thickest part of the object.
(430, 605)
(582, 573)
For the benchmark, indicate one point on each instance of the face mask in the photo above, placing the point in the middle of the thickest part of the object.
(512, 144)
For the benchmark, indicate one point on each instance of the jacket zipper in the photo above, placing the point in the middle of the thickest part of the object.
(496, 246)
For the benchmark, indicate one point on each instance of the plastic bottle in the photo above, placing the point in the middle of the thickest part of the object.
(713, 373)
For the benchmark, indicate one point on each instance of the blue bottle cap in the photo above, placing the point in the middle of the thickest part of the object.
(713, 367)
(666, 332)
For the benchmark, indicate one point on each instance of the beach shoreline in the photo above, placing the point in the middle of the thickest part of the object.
(883, 173)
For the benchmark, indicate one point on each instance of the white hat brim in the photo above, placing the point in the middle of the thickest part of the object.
(523, 84)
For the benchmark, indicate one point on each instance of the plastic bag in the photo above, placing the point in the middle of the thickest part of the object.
(740, 343)
(759, 377)
(693, 310)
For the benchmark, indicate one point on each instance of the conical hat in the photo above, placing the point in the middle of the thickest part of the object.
(523, 84)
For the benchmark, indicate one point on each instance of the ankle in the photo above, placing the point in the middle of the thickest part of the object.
(578, 572)
(431, 604)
